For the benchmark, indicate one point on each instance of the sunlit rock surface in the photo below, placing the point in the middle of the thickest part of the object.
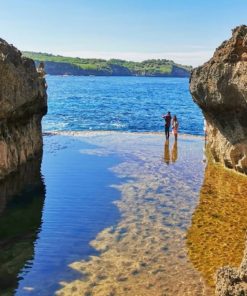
(219, 87)
(23, 102)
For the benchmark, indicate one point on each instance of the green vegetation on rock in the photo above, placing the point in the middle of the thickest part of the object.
(60, 65)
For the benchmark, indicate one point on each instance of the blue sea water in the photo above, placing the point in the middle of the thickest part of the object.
(133, 104)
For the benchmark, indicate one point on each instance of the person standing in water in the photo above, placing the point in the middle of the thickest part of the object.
(167, 119)
(175, 127)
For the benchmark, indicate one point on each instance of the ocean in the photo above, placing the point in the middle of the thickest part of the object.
(133, 104)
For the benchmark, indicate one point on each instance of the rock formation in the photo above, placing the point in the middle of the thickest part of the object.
(232, 281)
(219, 87)
(23, 102)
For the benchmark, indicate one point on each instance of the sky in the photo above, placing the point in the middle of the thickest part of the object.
(186, 31)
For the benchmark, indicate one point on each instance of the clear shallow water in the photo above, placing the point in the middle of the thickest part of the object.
(78, 205)
(143, 207)
(72, 202)
(154, 199)
(145, 252)
(119, 103)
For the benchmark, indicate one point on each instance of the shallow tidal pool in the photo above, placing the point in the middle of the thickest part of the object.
(120, 214)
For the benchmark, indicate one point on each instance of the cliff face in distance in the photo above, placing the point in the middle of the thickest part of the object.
(59, 65)
(23, 102)
(219, 87)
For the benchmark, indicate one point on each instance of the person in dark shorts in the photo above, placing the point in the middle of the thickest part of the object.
(167, 119)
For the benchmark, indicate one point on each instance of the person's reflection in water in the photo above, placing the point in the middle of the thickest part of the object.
(175, 151)
(173, 156)
(167, 152)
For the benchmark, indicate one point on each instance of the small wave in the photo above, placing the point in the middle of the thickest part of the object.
(110, 132)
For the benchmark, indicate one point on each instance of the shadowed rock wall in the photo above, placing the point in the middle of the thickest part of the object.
(23, 102)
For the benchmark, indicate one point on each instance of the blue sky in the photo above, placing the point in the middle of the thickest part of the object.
(186, 31)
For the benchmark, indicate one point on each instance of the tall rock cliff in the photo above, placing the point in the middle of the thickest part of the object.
(23, 102)
(219, 87)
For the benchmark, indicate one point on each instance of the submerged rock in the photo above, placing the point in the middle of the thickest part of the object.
(219, 87)
(23, 102)
(232, 281)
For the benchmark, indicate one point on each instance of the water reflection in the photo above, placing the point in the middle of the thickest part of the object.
(21, 202)
(175, 151)
(144, 253)
(170, 156)
(78, 205)
(217, 234)
(167, 152)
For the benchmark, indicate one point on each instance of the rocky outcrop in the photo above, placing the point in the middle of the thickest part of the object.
(23, 102)
(232, 281)
(219, 87)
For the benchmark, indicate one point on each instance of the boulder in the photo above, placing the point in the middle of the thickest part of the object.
(23, 102)
(232, 281)
(219, 87)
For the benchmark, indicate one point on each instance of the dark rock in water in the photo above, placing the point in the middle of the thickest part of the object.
(23, 102)
(219, 87)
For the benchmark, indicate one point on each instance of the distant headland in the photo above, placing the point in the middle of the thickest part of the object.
(60, 65)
